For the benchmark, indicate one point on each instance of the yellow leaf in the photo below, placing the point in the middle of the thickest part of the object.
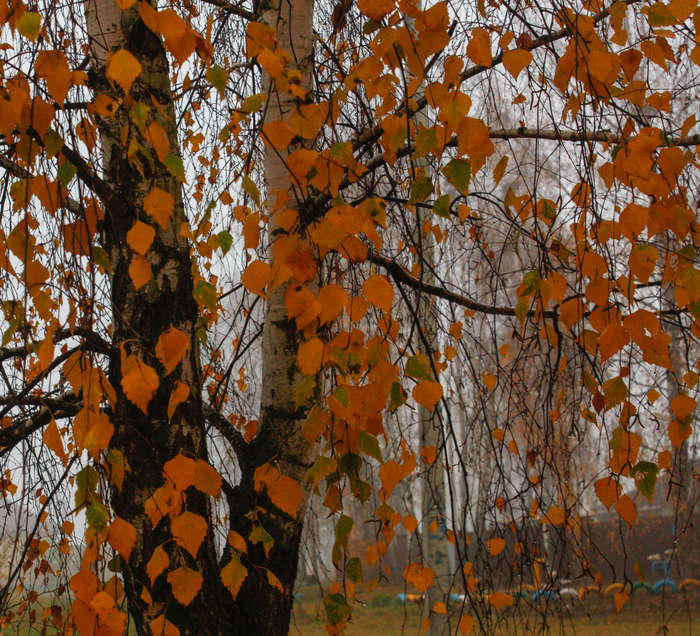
(233, 574)
(140, 237)
(180, 393)
(256, 276)
(122, 536)
(185, 584)
(310, 356)
(123, 68)
(171, 348)
(427, 393)
(495, 546)
(206, 479)
(284, 492)
(157, 564)
(139, 271)
(139, 381)
(515, 61)
(159, 205)
(29, 25)
(379, 291)
(189, 530)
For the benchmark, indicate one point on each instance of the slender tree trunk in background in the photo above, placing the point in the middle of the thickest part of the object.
(262, 607)
(148, 440)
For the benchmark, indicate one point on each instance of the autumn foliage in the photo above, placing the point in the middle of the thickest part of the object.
(259, 256)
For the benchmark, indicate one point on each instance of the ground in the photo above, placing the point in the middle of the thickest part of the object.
(382, 614)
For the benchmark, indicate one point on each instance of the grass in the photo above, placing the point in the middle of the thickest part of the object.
(381, 614)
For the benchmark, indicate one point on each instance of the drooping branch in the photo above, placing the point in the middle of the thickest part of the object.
(61, 407)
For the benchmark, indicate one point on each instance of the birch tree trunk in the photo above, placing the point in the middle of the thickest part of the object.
(148, 440)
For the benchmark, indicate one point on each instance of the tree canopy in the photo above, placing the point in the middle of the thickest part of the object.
(379, 269)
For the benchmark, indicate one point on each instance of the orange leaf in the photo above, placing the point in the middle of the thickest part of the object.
(180, 393)
(489, 380)
(642, 261)
(161, 626)
(52, 438)
(233, 574)
(207, 480)
(237, 542)
(181, 471)
(410, 523)
(421, 577)
(495, 546)
(379, 291)
(515, 61)
(284, 492)
(256, 276)
(620, 598)
(158, 139)
(465, 625)
(608, 491)
(122, 536)
(376, 9)
(159, 205)
(171, 348)
(682, 406)
(139, 271)
(189, 530)
(278, 134)
(139, 381)
(123, 68)
(626, 509)
(427, 393)
(333, 299)
(185, 584)
(500, 600)
(555, 515)
(157, 564)
(479, 47)
(140, 237)
(310, 356)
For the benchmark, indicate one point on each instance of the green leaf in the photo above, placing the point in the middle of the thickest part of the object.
(397, 396)
(53, 142)
(532, 281)
(253, 103)
(250, 188)
(218, 77)
(343, 529)
(421, 189)
(303, 389)
(259, 535)
(66, 173)
(205, 294)
(369, 445)
(138, 113)
(353, 570)
(441, 207)
(337, 608)
(29, 25)
(645, 474)
(342, 151)
(459, 173)
(418, 367)
(342, 396)
(174, 164)
(225, 240)
(97, 516)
